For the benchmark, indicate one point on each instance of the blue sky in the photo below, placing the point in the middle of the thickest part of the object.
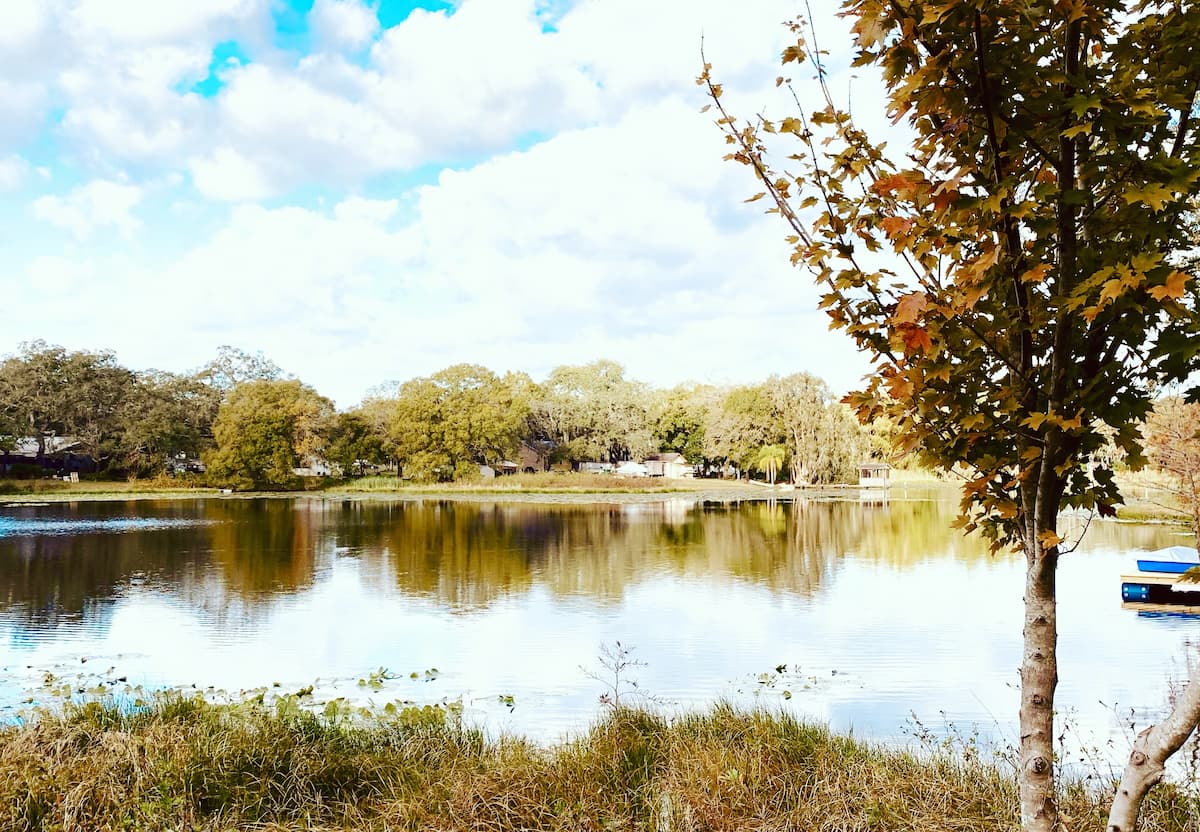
(374, 190)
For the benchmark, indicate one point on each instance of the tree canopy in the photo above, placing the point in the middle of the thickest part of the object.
(264, 431)
(1014, 274)
(594, 413)
(448, 424)
(439, 427)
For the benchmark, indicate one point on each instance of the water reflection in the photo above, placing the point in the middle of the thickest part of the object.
(461, 554)
(514, 597)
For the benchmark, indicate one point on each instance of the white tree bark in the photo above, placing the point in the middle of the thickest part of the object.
(1147, 762)
(1039, 677)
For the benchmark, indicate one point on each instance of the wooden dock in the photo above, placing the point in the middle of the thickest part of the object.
(1159, 588)
(1162, 609)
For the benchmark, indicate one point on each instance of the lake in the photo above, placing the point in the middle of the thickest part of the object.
(878, 611)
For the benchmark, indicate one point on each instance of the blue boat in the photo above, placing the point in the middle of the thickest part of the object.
(1174, 560)
(1164, 566)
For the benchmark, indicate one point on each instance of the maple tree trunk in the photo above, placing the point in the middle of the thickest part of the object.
(1148, 758)
(1039, 677)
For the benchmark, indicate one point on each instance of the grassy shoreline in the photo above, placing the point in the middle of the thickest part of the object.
(570, 485)
(1147, 496)
(182, 763)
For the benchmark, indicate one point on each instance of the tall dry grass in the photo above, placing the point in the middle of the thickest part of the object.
(184, 764)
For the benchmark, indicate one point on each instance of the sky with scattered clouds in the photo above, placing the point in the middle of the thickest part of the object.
(368, 190)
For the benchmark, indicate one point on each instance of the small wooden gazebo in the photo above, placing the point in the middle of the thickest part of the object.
(873, 475)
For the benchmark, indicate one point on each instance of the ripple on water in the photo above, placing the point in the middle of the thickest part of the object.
(28, 526)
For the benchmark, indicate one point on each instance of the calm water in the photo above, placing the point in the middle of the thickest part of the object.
(879, 612)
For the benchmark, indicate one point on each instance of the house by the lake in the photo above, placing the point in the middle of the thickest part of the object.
(673, 466)
(61, 455)
(874, 475)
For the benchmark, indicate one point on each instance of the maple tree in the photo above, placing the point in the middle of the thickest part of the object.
(1014, 276)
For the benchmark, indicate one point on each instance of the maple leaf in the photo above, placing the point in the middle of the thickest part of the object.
(1072, 424)
(1036, 274)
(899, 387)
(1049, 539)
(1154, 195)
(910, 307)
(916, 338)
(943, 199)
(1172, 289)
(894, 226)
(893, 182)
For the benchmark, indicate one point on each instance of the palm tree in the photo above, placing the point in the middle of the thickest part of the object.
(770, 460)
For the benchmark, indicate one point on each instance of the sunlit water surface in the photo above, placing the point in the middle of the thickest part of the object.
(879, 611)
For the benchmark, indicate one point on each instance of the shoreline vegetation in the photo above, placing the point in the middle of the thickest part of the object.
(179, 762)
(580, 485)
(1148, 495)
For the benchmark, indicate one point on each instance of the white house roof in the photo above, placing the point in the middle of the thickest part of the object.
(28, 445)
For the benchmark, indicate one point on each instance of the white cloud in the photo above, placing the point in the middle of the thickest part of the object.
(452, 87)
(118, 70)
(620, 233)
(377, 211)
(23, 22)
(291, 267)
(282, 129)
(593, 243)
(57, 276)
(437, 87)
(138, 21)
(14, 172)
(637, 54)
(127, 108)
(24, 106)
(97, 205)
(480, 77)
(230, 176)
(343, 23)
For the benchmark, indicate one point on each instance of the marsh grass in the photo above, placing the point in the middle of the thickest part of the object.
(183, 763)
(545, 483)
(55, 490)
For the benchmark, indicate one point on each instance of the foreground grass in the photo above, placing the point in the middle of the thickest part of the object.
(184, 764)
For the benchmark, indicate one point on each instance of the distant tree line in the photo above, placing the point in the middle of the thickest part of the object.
(254, 428)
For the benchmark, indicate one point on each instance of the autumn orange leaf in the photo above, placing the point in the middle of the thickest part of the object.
(1036, 274)
(1172, 289)
(910, 307)
(894, 226)
(916, 338)
(1049, 539)
(944, 198)
(888, 184)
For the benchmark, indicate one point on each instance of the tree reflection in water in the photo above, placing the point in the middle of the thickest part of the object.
(465, 555)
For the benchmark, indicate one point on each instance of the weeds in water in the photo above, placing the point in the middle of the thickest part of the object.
(616, 661)
(377, 678)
